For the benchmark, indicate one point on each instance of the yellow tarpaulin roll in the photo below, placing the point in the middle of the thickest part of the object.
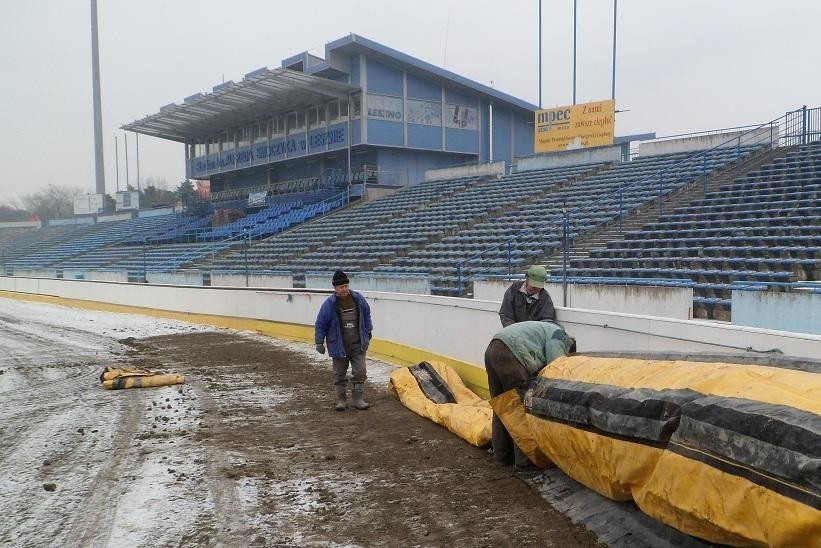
(143, 382)
(113, 373)
(448, 402)
(722, 451)
(115, 379)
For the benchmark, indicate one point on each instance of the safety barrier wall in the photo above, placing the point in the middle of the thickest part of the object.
(665, 302)
(106, 275)
(493, 168)
(790, 311)
(253, 280)
(390, 284)
(761, 136)
(569, 158)
(155, 212)
(446, 327)
(175, 278)
(21, 224)
(36, 272)
(71, 274)
(115, 217)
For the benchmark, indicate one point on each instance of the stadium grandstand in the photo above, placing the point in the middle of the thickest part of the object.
(395, 170)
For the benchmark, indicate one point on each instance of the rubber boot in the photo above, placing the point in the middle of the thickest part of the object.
(341, 398)
(358, 402)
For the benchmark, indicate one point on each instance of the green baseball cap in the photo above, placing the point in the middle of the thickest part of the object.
(536, 275)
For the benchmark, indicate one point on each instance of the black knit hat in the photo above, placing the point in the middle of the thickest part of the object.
(340, 278)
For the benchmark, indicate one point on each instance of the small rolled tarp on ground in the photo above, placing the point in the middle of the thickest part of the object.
(128, 377)
(727, 452)
(435, 391)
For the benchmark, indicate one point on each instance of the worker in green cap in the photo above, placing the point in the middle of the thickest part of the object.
(527, 300)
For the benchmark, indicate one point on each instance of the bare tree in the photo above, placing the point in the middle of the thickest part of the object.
(11, 213)
(53, 202)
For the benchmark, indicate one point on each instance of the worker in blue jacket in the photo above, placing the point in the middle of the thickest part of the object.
(344, 320)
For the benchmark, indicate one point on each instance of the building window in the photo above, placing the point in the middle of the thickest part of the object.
(296, 122)
(259, 132)
(213, 145)
(316, 117)
(244, 137)
(356, 105)
(277, 127)
(228, 141)
(199, 149)
(333, 111)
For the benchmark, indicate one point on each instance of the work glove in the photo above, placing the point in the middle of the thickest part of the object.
(320, 348)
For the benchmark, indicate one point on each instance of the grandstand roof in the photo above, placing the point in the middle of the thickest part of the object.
(269, 92)
(260, 93)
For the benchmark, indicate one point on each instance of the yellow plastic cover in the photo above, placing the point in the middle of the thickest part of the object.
(468, 416)
(127, 377)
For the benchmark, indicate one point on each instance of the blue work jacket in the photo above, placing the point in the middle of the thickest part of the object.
(329, 325)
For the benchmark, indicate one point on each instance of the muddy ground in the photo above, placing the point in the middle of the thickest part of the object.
(248, 453)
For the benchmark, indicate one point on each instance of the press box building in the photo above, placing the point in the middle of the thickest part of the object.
(363, 105)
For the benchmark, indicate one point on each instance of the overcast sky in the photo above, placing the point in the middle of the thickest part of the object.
(682, 66)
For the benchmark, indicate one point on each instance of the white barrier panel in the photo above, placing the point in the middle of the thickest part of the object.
(567, 158)
(175, 278)
(254, 280)
(489, 169)
(114, 217)
(793, 311)
(69, 274)
(363, 282)
(459, 328)
(21, 224)
(36, 272)
(155, 212)
(107, 275)
(71, 221)
(661, 301)
(760, 136)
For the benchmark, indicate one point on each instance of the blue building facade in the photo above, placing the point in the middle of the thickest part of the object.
(363, 105)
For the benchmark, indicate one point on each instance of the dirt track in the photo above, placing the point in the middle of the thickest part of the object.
(249, 452)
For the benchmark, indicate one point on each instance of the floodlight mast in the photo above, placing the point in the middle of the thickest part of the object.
(99, 170)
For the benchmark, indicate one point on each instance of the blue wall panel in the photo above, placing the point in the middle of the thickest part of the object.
(501, 134)
(523, 136)
(355, 70)
(381, 132)
(429, 137)
(384, 79)
(422, 89)
(462, 140)
(356, 131)
(414, 164)
(459, 98)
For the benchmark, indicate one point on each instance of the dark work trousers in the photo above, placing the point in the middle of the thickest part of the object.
(356, 358)
(504, 372)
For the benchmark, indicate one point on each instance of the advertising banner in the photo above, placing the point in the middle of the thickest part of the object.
(577, 126)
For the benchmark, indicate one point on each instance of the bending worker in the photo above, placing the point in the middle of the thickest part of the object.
(516, 353)
(527, 300)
